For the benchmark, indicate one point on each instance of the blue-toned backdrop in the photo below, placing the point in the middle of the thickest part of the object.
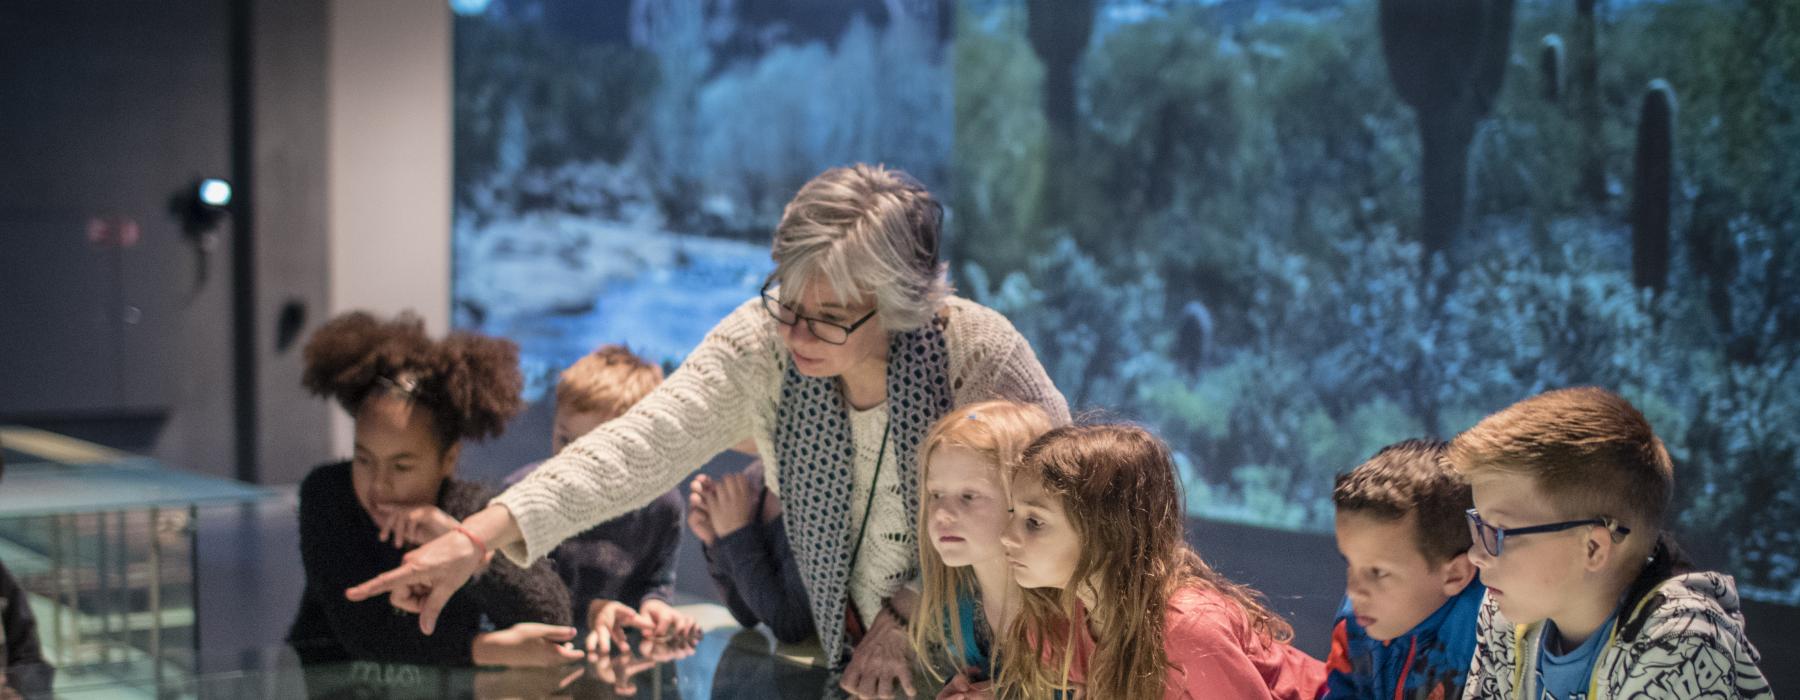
(1283, 233)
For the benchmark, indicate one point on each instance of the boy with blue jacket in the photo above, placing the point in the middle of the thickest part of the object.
(1408, 625)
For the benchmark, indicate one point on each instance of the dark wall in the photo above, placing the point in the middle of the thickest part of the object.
(123, 322)
(116, 318)
(283, 156)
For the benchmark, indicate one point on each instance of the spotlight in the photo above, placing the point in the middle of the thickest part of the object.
(214, 192)
(202, 204)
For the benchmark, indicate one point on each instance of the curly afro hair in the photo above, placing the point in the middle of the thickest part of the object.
(470, 383)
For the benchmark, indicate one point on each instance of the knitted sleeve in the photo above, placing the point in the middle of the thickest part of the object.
(704, 408)
(506, 593)
(991, 360)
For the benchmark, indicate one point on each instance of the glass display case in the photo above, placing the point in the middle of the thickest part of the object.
(103, 544)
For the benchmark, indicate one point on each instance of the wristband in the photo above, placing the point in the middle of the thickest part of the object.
(480, 544)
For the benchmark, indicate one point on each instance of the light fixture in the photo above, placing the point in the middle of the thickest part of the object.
(213, 192)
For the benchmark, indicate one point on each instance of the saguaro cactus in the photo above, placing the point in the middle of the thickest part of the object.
(1652, 177)
(1587, 92)
(1550, 67)
(1447, 59)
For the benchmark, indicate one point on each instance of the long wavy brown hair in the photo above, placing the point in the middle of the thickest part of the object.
(1117, 485)
(999, 431)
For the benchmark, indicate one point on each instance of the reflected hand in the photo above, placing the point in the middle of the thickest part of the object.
(526, 644)
(617, 671)
(524, 682)
(882, 665)
(412, 525)
(426, 578)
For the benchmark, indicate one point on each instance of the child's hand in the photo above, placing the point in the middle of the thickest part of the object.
(699, 520)
(961, 688)
(607, 620)
(666, 624)
(526, 644)
(412, 525)
(731, 503)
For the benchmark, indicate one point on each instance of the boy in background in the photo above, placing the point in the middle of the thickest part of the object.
(621, 573)
(1407, 627)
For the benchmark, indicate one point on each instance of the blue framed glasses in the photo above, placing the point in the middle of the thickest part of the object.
(1493, 539)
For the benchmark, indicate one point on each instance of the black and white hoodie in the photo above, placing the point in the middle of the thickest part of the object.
(1684, 639)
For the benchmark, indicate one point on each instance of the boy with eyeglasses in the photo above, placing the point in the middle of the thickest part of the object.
(1588, 597)
(1407, 626)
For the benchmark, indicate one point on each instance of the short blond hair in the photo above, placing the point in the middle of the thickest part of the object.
(865, 229)
(1587, 449)
(608, 381)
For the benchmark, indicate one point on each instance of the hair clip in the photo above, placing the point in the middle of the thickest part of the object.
(405, 385)
(974, 415)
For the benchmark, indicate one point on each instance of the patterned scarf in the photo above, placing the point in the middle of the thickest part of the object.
(816, 456)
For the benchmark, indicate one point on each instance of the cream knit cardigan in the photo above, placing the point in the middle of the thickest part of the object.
(727, 390)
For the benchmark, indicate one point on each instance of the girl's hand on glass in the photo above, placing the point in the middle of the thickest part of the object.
(526, 644)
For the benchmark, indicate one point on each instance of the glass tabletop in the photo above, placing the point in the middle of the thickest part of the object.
(129, 484)
(725, 663)
(50, 474)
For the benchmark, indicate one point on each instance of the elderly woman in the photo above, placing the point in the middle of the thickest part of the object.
(854, 348)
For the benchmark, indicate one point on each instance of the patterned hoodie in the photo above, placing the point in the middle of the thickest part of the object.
(1683, 639)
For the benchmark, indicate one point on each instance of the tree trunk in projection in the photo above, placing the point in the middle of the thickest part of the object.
(1651, 184)
(1445, 138)
(1587, 94)
(1446, 59)
(1059, 30)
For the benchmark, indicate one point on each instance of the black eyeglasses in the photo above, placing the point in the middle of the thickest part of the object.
(1493, 538)
(834, 333)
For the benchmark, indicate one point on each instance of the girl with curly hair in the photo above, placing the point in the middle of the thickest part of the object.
(414, 401)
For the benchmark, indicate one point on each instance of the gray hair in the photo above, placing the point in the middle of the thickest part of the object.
(865, 229)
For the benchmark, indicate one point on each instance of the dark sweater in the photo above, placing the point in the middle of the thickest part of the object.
(755, 570)
(339, 549)
(629, 559)
(26, 670)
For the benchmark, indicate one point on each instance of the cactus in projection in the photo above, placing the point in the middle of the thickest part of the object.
(1059, 30)
(1447, 59)
(1550, 67)
(1651, 180)
(1587, 95)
